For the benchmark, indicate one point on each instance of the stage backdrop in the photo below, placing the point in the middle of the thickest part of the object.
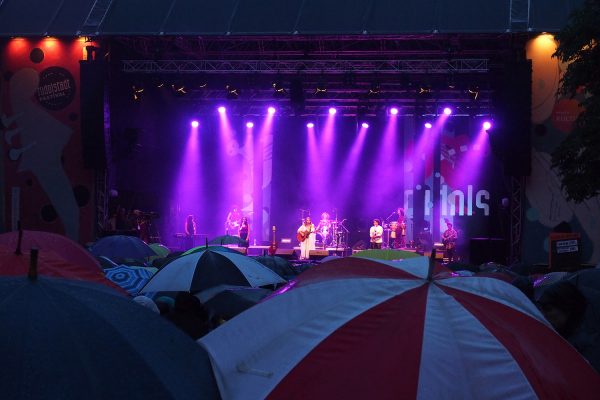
(42, 179)
(279, 171)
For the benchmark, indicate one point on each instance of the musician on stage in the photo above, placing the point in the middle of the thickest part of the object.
(244, 231)
(376, 234)
(232, 223)
(324, 227)
(401, 228)
(306, 237)
(393, 241)
(449, 238)
(190, 231)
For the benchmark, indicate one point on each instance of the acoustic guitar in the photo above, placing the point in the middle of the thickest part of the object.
(273, 246)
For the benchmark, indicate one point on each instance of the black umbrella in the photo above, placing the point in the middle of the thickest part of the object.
(228, 239)
(279, 265)
(231, 301)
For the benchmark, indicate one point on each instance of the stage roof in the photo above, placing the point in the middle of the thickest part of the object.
(278, 17)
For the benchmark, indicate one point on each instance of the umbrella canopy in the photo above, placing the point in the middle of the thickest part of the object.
(47, 243)
(130, 278)
(363, 329)
(64, 339)
(119, 248)
(199, 249)
(227, 239)
(541, 283)
(279, 265)
(51, 264)
(160, 249)
(385, 254)
(199, 271)
(229, 301)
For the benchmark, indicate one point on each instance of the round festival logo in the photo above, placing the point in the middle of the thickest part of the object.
(56, 89)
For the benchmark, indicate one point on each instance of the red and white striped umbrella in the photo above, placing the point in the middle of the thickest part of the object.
(361, 329)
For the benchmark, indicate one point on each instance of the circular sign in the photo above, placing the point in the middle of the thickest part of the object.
(56, 89)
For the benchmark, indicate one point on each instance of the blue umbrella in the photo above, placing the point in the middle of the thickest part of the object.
(199, 271)
(130, 278)
(119, 248)
(66, 339)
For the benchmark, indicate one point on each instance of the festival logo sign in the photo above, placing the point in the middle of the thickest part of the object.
(56, 89)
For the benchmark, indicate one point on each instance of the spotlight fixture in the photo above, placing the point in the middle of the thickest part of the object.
(249, 124)
(310, 125)
(278, 89)
(321, 89)
(447, 111)
(271, 110)
(394, 111)
(221, 110)
(473, 92)
(179, 89)
(374, 90)
(136, 92)
(232, 92)
(428, 125)
(365, 125)
(195, 124)
(332, 111)
(424, 90)
(487, 125)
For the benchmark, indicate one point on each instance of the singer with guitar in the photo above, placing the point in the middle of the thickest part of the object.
(376, 234)
(306, 237)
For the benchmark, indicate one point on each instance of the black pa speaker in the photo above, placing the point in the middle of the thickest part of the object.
(288, 254)
(484, 250)
(317, 254)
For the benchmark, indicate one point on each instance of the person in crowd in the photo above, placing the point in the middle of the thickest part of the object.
(244, 231)
(449, 238)
(232, 223)
(376, 234)
(307, 238)
(569, 312)
(190, 315)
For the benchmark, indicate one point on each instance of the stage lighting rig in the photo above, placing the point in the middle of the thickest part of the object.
(473, 92)
(136, 92)
(278, 89)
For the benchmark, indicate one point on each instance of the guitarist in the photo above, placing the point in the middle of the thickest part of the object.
(449, 238)
(306, 237)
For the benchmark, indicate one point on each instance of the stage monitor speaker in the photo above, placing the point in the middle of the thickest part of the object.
(318, 254)
(288, 254)
(92, 75)
(484, 250)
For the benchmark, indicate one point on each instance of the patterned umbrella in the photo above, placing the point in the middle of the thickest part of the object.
(199, 271)
(358, 329)
(64, 339)
(130, 278)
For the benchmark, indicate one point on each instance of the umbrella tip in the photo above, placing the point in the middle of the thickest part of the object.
(20, 238)
(33, 274)
(431, 264)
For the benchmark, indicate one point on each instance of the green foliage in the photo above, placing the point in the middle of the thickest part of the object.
(577, 158)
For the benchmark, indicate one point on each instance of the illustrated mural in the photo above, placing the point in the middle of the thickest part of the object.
(547, 206)
(45, 185)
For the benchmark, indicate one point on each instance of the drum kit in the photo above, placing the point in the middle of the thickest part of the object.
(332, 233)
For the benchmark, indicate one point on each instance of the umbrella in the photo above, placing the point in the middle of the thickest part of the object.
(51, 264)
(541, 283)
(120, 247)
(47, 243)
(199, 249)
(228, 239)
(279, 265)
(130, 278)
(64, 339)
(199, 271)
(356, 328)
(160, 249)
(106, 262)
(385, 254)
(229, 301)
